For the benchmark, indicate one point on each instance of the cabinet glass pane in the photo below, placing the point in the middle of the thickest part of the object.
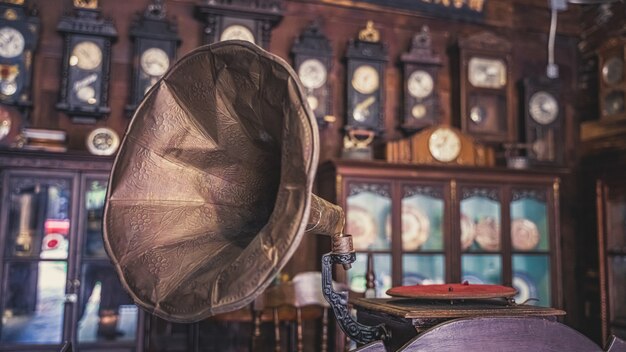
(33, 302)
(94, 204)
(531, 279)
(369, 207)
(105, 311)
(382, 271)
(529, 223)
(422, 219)
(480, 220)
(617, 288)
(481, 269)
(38, 218)
(616, 224)
(423, 269)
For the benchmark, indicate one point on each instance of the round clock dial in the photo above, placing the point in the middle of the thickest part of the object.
(444, 145)
(365, 79)
(103, 141)
(420, 84)
(613, 70)
(487, 73)
(8, 88)
(237, 32)
(154, 62)
(614, 103)
(312, 73)
(543, 107)
(86, 55)
(11, 42)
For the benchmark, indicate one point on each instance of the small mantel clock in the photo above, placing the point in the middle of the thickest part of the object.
(87, 37)
(612, 87)
(19, 31)
(544, 123)
(155, 43)
(312, 58)
(485, 88)
(420, 69)
(366, 60)
(239, 19)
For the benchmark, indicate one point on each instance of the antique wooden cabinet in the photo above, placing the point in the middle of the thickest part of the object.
(57, 282)
(428, 224)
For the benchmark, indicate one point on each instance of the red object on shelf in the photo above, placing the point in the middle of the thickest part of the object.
(57, 226)
(452, 291)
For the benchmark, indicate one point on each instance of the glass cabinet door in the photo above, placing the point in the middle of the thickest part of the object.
(368, 220)
(616, 261)
(422, 219)
(480, 235)
(105, 311)
(36, 259)
(530, 246)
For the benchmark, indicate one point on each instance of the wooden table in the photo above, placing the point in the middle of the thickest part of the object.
(406, 318)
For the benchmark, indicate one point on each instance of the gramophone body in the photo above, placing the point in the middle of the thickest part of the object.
(210, 193)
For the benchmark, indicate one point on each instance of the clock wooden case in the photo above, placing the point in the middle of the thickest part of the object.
(420, 70)
(612, 85)
(543, 121)
(19, 32)
(485, 88)
(239, 19)
(85, 72)
(312, 58)
(366, 59)
(155, 43)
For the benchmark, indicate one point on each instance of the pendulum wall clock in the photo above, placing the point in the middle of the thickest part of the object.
(19, 31)
(85, 72)
(239, 20)
(544, 122)
(485, 89)
(155, 43)
(366, 60)
(420, 70)
(312, 57)
(612, 85)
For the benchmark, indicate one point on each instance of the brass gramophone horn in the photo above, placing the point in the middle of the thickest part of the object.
(210, 192)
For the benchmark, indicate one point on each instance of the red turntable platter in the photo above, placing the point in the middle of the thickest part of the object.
(452, 291)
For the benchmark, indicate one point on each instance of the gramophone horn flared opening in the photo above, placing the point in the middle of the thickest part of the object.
(210, 193)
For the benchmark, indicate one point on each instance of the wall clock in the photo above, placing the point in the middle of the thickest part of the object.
(19, 32)
(154, 50)
(485, 88)
(239, 20)
(312, 57)
(612, 85)
(544, 122)
(366, 60)
(84, 93)
(420, 69)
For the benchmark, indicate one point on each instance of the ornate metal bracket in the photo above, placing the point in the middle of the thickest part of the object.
(360, 333)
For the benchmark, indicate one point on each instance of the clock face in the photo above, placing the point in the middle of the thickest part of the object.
(365, 79)
(312, 73)
(613, 70)
(11, 42)
(237, 32)
(543, 107)
(444, 145)
(487, 73)
(154, 62)
(86, 55)
(614, 103)
(420, 84)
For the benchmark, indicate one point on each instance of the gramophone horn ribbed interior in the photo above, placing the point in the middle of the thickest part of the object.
(210, 191)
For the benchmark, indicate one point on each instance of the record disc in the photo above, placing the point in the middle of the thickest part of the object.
(452, 291)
